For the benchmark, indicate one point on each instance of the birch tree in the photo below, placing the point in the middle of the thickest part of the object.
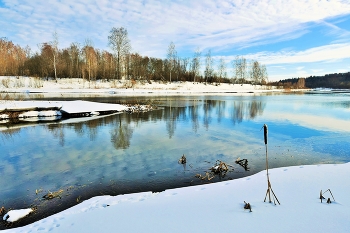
(54, 45)
(265, 76)
(222, 70)
(240, 69)
(171, 55)
(209, 71)
(258, 73)
(255, 72)
(74, 52)
(90, 58)
(120, 44)
(195, 65)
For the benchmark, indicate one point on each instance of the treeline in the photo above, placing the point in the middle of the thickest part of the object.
(89, 63)
(336, 81)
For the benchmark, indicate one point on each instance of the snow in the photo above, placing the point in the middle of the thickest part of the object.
(14, 215)
(87, 106)
(66, 106)
(39, 114)
(123, 87)
(70, 107)
(24, 105)
(219, 206)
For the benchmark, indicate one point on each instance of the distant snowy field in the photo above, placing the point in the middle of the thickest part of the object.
(218, 207)
(30, 84)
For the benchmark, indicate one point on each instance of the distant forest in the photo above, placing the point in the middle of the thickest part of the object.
(89, 63)
(336, 81)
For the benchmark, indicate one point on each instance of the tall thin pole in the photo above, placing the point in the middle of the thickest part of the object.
(267, 162)
(267, 174)
(267, 170)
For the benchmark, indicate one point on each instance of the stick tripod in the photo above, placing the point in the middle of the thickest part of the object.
(269, 188)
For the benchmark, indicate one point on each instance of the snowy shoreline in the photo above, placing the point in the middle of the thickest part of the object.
(124, 88)
(206, 208)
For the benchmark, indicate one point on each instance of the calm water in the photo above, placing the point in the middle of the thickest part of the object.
(125, 153)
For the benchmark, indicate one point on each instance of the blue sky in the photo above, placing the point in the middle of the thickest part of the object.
(293, 38)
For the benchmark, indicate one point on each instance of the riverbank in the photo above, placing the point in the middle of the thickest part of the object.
(206, 208)
(125, 87)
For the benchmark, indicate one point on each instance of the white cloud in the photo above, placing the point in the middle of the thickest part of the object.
(326, 53)
(317, 70)
(326, 123)
(219, 25)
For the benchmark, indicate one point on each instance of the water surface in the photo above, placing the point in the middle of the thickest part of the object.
(124, 153)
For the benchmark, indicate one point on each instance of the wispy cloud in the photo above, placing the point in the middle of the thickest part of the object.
(326, 53)
(207, 24)
(312, 121)
(227, 27)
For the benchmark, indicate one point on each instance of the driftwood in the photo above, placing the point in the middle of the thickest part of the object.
(328, 199)
(243, 163)
(247, 206)
(206, 176)
(52, 195)
(321, 196)
(182, 160)
(220, 168)
(2, 210)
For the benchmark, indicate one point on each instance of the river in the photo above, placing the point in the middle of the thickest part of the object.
(125, 153)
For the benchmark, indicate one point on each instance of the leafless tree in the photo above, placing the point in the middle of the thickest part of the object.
(90, 58)
(255, 72)
(171, 55)
(54, 45)
(265, 76)
(120, 44)
(209, 71)
(183, 66)
(258, 73)
(222, 70)
(240, 69)
(196, 63)
(74, 53)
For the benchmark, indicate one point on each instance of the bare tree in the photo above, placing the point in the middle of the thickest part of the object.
(74, 52)
(240, 69)
(54, 45)
(196, 63)
(46, 60)
(183, 65)
(90, 56)
(255, 72)
(209, 71)
(12, 57)
(258, 73)
(222, 70)
(120, 44)
(171, 55)
(265, 76)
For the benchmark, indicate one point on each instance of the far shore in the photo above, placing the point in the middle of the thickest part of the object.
(126, 87)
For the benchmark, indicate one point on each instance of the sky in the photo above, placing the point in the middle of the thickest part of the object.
(293, 38)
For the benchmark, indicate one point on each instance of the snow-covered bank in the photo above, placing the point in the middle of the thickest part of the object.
(44, 109)
(124, 87)
(219, 206)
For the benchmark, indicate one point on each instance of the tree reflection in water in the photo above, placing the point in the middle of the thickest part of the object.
(123, 153)
(171, 114)
(246, 110)
(121, 135)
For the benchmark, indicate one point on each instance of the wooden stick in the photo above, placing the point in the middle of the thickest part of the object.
(330, 192)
